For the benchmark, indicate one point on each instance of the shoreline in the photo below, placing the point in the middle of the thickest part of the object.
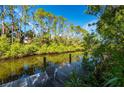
(36, 54)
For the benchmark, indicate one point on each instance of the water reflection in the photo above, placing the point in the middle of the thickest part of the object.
(21, 68)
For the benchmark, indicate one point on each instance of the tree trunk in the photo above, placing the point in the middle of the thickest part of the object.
(12, 14)
(12, 29)
(3, 28)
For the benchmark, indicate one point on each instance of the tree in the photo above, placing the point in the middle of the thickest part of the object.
(61, 21)
(12, 20)
(40, 14)
(55, 25)
(25, 16)
(2, 16)
(110, 50)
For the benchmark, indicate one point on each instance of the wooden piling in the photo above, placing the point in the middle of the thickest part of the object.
(70, 58)
(44, 62)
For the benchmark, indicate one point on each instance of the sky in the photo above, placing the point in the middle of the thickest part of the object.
(73, 13)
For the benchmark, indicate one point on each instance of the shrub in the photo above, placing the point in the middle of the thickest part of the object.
(31, 48)
(4, 44)
(14, 50)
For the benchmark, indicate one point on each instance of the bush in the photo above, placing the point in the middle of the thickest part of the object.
(31, 48)
(74, 81)
(19, 50)
(14, 50)
(4, 44)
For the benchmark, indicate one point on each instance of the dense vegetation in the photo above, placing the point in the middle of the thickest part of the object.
(106, 49)
(26, 32)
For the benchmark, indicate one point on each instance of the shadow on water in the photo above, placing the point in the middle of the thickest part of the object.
(14, 69)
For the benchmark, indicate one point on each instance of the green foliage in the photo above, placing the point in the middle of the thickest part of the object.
(57, 48)
(74, 81)
(31, 48)
(14, 50)
(106, 48)
(111, 82)
(19, 50)
(4, 44)
(109, 51)
(47, 33)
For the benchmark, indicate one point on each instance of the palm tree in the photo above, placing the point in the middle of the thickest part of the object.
(25, 11)
(23, 20)
(12, 18)
(61, 21)
(34, 22)
(20, 21)
(33, 19)
(45, 20)
(50, 18)
(40, 14)
(55, 25)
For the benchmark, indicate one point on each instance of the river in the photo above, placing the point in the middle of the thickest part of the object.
(14, 69)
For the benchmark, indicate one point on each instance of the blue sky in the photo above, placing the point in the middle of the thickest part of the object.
(74, 13)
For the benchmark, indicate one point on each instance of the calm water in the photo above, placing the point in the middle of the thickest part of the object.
(20, 68)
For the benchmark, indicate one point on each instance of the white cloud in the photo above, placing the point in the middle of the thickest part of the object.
(90, 28)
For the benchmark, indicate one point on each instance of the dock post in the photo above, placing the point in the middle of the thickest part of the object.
(44, 62)
(70, 58)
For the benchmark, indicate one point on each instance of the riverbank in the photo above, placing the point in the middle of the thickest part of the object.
(19, 50)
(42, 54)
